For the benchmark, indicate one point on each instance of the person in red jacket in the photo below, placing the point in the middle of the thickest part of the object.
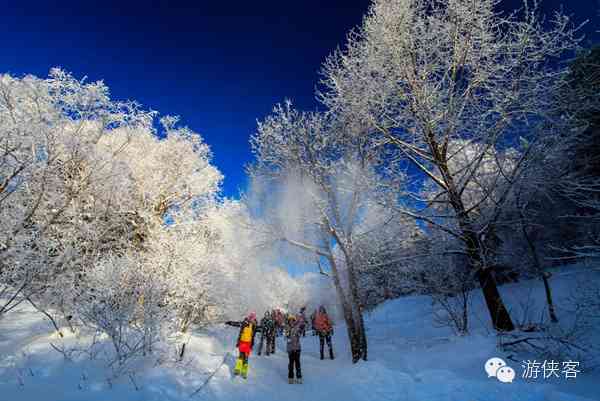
(324, 328)
(245, 342)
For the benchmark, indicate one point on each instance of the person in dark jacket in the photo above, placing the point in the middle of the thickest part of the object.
(324, 328)
(293, 333)
(302, 317)
(279, 321)
(267, 331)
(245, 342)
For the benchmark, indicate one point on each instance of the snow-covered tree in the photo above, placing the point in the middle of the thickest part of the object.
(90, 192)
(49, 169)
(319, 184)
(446, 80)
(124, 300)
(113, 223)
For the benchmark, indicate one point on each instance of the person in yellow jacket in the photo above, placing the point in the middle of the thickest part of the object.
(245, 342)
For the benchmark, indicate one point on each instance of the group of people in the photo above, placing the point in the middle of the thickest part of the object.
(275, 323)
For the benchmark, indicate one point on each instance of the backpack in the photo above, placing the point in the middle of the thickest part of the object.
(322, 322)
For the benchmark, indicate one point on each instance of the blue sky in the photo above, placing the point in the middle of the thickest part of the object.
(219, 65)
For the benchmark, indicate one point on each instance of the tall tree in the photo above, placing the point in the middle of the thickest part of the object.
(328, 182)
(448, 79)
(50, 168)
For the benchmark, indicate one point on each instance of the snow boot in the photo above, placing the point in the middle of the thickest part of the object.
(291, 381)
(331, 354)
(245, 370)
(238, 366)
(322, 357)
(299, 380)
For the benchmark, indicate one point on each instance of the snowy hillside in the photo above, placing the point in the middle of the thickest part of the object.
(410, 360)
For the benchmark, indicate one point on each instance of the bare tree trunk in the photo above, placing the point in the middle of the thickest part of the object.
(551, 310)
(466, 314)
(498, 312)
(182, 351)
(355, 305)
(362, 332)
(353, 330)
(538, 268)
(357, 308)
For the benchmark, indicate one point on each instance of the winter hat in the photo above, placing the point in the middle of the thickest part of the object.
(252, 316)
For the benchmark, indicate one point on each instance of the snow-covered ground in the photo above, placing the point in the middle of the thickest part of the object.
(410, 359)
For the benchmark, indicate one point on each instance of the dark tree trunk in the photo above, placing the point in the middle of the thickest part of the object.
(363, 334)
(498, 312)
(357, 310)
(475, 250)
(551, 310)
(182, 352)
(354, 303)
(351, 326)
